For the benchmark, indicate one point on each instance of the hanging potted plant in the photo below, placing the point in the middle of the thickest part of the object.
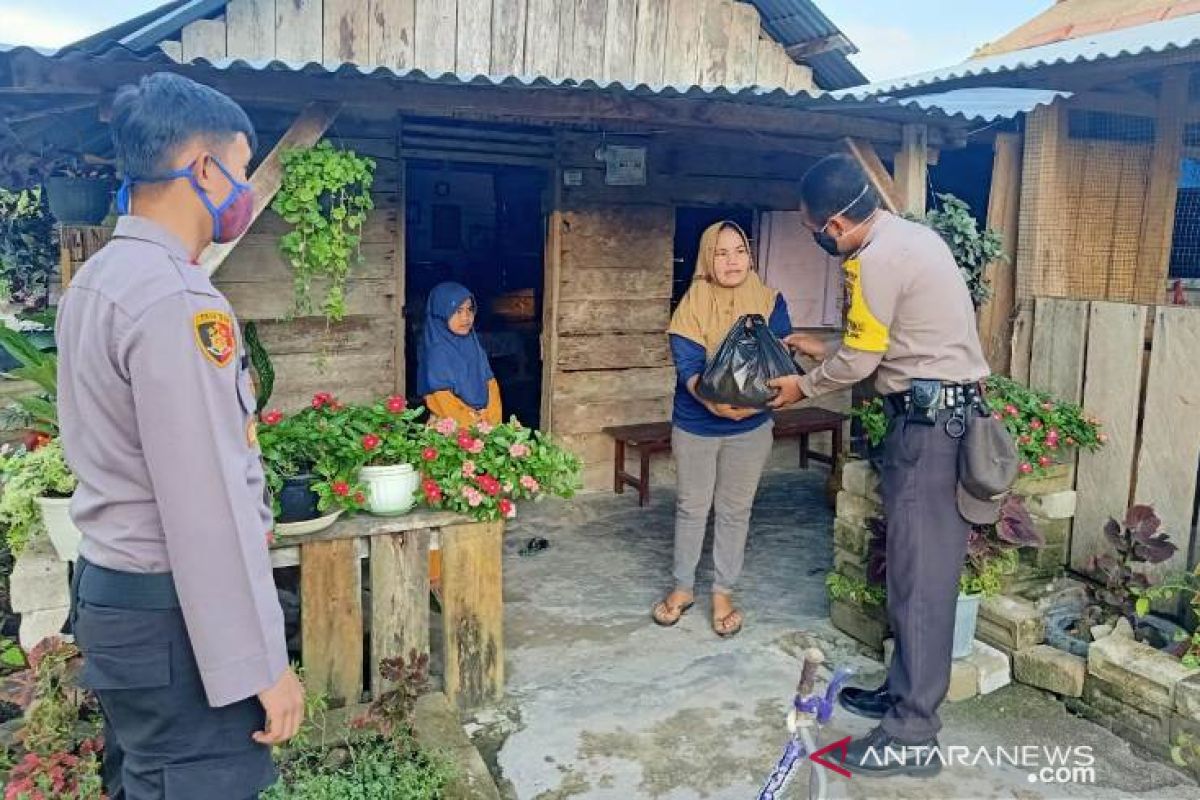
(28, 248)
(80, 190)
(325, 196)
(38, 486)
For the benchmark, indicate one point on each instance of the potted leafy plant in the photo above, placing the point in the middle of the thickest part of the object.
(79, 190)
(28, 248)
(375, 447)
(1186, 642)
(1124, 588)
(38, 486)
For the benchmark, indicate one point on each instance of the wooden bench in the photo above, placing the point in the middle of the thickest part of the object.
(655, 437)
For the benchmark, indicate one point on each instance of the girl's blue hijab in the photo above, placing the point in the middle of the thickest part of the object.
(447, 361)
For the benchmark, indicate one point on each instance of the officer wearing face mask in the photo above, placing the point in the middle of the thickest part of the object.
(174, 604)
(912, 323)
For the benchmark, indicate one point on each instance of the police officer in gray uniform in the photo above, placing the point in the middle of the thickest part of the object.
(175, 607)
(911, 321)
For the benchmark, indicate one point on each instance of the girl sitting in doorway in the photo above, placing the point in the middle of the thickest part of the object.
(453, 373)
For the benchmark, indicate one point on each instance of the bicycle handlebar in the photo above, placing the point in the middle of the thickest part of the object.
(813, 659)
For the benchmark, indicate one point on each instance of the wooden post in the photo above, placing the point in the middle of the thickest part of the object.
(308, 128)
(864, 153)
(912, 169)
(1004, 208)
(1158, 218)
(331, 619)
(550, 299)
(473, 612)
(1041, 260)
(401, 266)
(399, 599)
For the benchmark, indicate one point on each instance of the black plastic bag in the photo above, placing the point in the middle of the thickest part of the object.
(750, 356)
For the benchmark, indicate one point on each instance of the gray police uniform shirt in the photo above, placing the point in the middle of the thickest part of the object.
(157, 416)
(909, 316)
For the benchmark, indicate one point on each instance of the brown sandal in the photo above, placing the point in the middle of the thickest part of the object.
(721, 625)
(666, 615)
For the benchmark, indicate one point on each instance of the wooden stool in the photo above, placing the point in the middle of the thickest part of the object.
(649, 438)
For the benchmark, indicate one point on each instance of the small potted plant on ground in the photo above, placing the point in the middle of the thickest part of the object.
(991, 557)
(38, 486)
(79, 190)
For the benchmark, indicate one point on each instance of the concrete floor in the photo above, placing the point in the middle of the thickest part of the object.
(604, 704)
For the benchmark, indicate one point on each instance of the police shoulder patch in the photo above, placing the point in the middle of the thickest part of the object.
(215, 337)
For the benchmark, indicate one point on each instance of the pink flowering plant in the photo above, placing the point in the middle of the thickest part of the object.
(1044, 429)
(482, 470)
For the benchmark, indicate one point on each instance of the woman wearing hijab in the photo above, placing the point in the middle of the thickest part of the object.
(453, 374)
(720, 450)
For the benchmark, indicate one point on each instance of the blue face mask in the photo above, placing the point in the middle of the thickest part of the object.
(229, 220)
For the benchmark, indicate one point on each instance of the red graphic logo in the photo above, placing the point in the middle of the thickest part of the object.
(835, 747)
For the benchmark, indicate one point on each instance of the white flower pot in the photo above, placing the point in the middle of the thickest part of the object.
(390, 490)
(966, 615)
(64, 535)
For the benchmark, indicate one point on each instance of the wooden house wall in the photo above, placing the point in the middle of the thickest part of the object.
(704, 42)
(607, 360)
(356, 358)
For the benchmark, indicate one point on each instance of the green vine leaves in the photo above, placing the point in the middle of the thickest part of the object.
(325, 197)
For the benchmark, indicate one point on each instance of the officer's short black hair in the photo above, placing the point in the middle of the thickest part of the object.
(832, 184)
(162, 112)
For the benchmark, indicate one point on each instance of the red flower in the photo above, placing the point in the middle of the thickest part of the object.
(489, 485)
(464, 438)
(1045, 461)
(360, 498)
(370, 442)
(1026, 468)
(341, 488)
(1024, 439)
(396, 404)
(507, 509)
(322, 399)
(1036, 424)
(1011, 410)
(429, 454)
(273, 417)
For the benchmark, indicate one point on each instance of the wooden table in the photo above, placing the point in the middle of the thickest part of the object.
(397, 550)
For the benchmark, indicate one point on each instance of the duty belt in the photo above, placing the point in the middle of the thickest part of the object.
(953, 396)
(100, 586)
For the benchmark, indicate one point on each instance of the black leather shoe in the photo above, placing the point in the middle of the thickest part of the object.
(880, 755)
(869, 703)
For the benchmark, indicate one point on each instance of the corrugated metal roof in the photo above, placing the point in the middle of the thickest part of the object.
(990, 103)
(792, 22)
(903, 110)
(1163, 37)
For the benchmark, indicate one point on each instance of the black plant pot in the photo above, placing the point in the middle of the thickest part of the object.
(79, 201)
(297, 500)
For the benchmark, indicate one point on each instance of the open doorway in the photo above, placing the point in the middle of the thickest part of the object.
(690, 224)
(481, 225)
